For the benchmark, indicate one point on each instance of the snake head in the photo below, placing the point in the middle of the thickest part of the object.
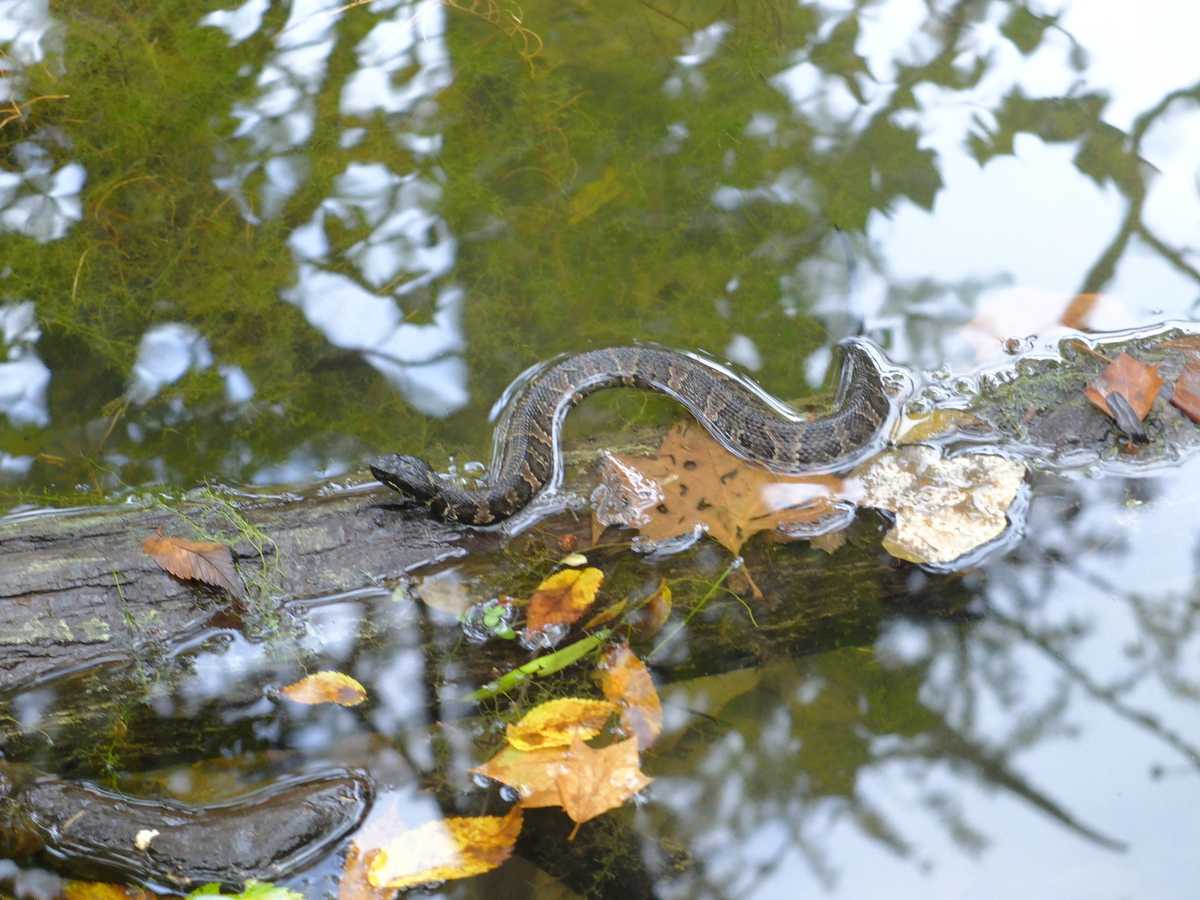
(409, 476)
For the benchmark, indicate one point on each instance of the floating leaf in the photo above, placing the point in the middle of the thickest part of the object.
(557, 722)
(444, 850)
(704, 485)
(326, 687)
(532, 774)
(1133, 379)
(626, 682)
(944, 508)
(595, 781)
(1186, 394)
(562, 598)
(354, 883)
(197, 560)
(658, 610)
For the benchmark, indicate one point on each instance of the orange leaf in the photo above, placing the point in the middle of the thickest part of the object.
(1186, 394)
(626, 681)
(532, 774)
(100, 890)
(1136, 381)
(440, 851)
(326, 687)
(557, 722)
(354, 883)
(563, 598)
(595, 781)
(704, 485)
(197, 560)
(658, 610)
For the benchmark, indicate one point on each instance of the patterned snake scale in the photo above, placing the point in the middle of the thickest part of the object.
(740, 417)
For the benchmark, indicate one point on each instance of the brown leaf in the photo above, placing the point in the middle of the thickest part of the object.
(595, 781)
(1136, 381)
(705, 485)
(626, 681)
(440, 851)
(532, 774)
(562, 598)
(326, 687)
(556, 723)
(354, 883)
(657, 610)
(1186, 393)
(197, 560)
(606, 615)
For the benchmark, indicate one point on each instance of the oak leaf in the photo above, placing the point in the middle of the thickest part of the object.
(594, 781)
(204, 561)
(326, 687)
(1133, 379)
(446, 849)
(557, 722)
(562, 598)
(705, 486)
(626, 682)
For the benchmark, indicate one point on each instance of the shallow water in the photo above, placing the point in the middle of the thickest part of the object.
(258, 245)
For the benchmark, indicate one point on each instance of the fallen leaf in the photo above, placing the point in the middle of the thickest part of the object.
(595, 781)
(1133, 379)
(936, 423)
(606, 615)
(354, 883)
(447, 591)
(658, 610)
(704, 485)
(197, 560)
(944, 508)
(1186, 394)
(562, 598)
(626, 682)
(557, 722)
(532, 774)
(573, 559)
(444, 850)
(101, 890)
(251, 890)
(326, 687)
(829, 543)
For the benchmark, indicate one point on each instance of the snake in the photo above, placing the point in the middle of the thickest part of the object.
(744, 418)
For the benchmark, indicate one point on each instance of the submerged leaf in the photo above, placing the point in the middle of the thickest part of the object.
(595, 781)
(558, 722)
(326, 687)
(196, 560)
(563, 598)
(440, 851)
(626, 681)
(657, 610)
(355, 883)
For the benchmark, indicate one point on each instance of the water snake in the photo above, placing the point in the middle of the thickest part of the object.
(741, 416)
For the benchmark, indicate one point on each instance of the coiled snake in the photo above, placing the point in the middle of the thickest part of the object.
(741, 417)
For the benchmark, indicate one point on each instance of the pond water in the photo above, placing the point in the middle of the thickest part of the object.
(256, 245)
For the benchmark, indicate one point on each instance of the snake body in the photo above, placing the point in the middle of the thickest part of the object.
(743, 418)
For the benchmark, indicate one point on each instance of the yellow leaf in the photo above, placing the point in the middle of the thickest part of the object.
(100, 890)
(557, 722)
(658, 610)
(626, 681)
(563, 598)
(326, 687)
(606, 615)
(440, 851)
(595, 781)
(532, 774)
